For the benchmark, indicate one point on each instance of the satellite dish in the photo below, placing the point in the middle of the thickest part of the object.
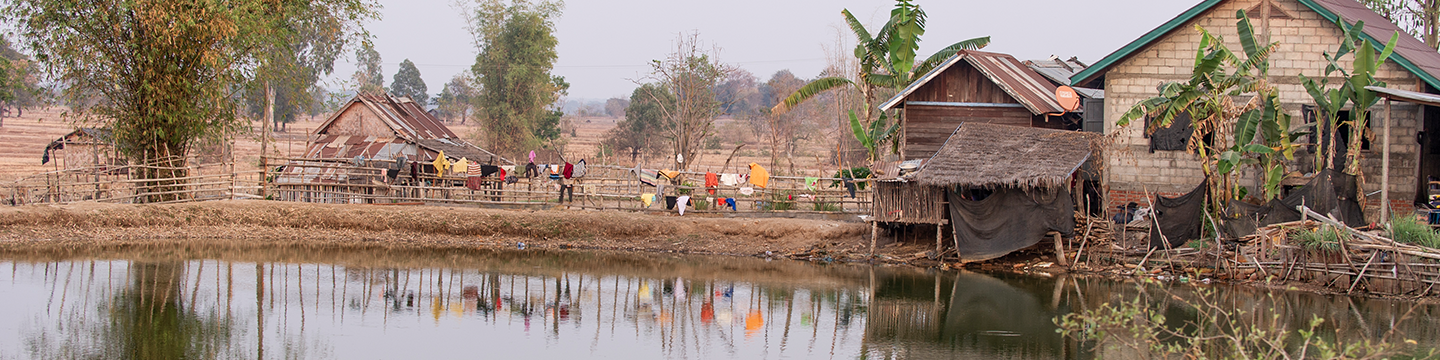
(1069, 100)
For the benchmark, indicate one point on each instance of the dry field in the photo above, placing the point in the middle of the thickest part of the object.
(23, 140)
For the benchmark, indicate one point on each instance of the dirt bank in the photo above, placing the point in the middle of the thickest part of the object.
(91, 226)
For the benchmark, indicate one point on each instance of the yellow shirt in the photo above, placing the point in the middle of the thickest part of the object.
(758, 175)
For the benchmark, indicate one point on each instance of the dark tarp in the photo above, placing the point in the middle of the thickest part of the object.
(1179, 217)
(1330, 192)
(1009, 219)
(1173, 137)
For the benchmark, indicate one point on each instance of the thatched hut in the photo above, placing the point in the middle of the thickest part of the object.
(83, 148)
(1001, 187)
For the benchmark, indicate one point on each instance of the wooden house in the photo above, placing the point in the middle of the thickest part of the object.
(376, 130)
(973, 87)
(1305, 29)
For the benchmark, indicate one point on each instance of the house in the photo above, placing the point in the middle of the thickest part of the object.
(379, 129)
(1000, 187)
(1137, 164)
(974, 87)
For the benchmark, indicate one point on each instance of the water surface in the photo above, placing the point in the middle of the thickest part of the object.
(314, 304)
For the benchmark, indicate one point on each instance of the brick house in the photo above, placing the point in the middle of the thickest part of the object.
(1137, 163)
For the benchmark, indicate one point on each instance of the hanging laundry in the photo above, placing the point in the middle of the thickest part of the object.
(359, 160)
(646, 199)
(502, 172)
(531, 170)
(511, 179)
(810, 183)
(415, 171)
(462, 166)
(579, 169)
(670, 174)
(758, 176)
(747, 191)
(554, 171)
(849, 186)
(648, 177)
(441, 164)
(569, 170)
(681, 202)
(487, 170)
(731, 203)
(532, 156)
(508, 168)
(730, 179)
(719, 202)
(711, 180)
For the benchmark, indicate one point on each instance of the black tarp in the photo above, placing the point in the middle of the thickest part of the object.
(1179, 218)
(1329, 192)
(1009, 219)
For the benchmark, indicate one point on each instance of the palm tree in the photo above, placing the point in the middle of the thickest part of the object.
(887, 60)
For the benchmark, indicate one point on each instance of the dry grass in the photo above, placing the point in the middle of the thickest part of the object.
(284, 223)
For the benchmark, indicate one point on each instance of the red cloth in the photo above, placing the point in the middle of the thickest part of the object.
(711, 181)
(474, 182)
(502, 173)
(569, 169)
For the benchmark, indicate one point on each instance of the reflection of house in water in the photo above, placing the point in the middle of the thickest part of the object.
(969, 314)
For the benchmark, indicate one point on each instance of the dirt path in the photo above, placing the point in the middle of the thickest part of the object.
(89, 226)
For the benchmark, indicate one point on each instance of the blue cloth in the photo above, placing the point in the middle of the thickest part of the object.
(731, 203)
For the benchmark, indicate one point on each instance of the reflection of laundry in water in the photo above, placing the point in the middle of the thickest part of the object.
(707, 313)
(753, 322)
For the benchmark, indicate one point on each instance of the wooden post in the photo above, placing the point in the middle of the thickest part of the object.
(939, 238)
(1385, 168)
(874, 232)
(1059, 248)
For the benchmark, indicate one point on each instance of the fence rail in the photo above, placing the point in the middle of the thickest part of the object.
(343, 181)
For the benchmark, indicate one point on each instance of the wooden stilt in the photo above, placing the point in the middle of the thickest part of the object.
(939, 239)
(874, 233)
(1059, 249)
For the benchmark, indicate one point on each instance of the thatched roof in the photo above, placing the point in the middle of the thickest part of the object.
(990, 155)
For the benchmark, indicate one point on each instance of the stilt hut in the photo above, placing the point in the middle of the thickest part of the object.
(1000, 187)
(81, 149)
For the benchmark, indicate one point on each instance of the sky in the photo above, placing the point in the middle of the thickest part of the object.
(606, 46)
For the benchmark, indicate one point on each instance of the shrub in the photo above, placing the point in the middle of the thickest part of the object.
(1408, 230)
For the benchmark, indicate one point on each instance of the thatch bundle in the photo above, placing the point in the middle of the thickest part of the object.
(991, 155)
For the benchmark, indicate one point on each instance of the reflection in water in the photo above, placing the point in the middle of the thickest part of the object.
(575, 305)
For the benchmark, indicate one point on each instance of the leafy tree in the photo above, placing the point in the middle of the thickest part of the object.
(887, 58)
(784, 129)
(1255, 133)
(309, 37)
(644, 125)
(368, 75)
(516, 94)
(615, 107)
(454, 100)
(18, 87)
(1420, 18)
(164, 69)
(1364, 63)
(407, 82)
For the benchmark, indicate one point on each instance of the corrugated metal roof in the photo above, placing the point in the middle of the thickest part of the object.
(411, 123)
(1410, 53)
(1056, 70)
(1031, 89)
(401, 114)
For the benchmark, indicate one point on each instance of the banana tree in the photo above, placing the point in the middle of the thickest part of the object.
(886, 58)
(1254, 133)
(1364, 64)
(876, 134)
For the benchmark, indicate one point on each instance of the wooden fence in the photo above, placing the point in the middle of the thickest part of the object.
(603, 187)
(121, 184)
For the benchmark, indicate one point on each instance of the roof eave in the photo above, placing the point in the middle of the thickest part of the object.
(1330, 16)
(1095, 70)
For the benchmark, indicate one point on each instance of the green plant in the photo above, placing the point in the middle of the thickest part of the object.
(853, 173)
(826, 206)
(1409, 230)
(779, 201)
(1325, 239)
(685, 189)
(1140, 328)
(701, 204)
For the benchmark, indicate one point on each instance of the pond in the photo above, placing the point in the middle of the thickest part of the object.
(387, 304)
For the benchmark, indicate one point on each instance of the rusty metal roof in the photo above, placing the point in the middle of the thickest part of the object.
(408, 119)
(1031, 89)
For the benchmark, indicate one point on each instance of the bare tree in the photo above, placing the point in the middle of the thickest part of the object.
(691, 74)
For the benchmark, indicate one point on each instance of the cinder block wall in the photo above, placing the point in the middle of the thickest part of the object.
(1132, 169)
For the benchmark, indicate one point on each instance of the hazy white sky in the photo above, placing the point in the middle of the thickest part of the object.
(605, 45)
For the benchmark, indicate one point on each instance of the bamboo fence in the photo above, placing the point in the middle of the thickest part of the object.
(604, 187)
(122, 184)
